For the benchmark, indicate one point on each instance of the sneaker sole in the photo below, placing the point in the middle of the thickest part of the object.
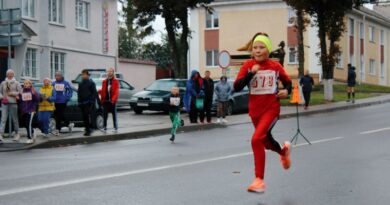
(255, 191)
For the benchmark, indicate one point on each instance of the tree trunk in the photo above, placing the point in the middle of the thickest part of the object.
(301, 49)
(327, 78)
(184, 44)
(170, 26)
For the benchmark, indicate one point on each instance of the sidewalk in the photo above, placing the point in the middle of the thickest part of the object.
(160, 124)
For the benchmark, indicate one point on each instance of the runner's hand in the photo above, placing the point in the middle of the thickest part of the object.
(283, 94)
(255, 68)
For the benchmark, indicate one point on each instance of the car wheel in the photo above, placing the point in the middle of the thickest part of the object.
(100, 122)
(138, 111)
(229, 109)
(52, 125)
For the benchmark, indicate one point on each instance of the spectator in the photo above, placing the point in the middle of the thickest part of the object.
(46, 106)
(307, 84)
(9, 95)
(87, 96)
(64, 93)
(208, 97)
(351, 81)
(223, 91)
(29, 100)
(194, 93)
(109, 97)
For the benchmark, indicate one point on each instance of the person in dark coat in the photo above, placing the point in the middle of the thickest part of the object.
(208, 85)
(87, 98)
(351, 81)
(194, 91)
(307, 84)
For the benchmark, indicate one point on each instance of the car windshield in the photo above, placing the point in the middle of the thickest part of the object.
(162, 85)
(92, 75)
(98, 82)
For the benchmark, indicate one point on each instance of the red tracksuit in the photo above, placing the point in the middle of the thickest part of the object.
(264, 105)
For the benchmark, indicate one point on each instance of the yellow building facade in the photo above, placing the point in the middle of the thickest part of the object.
(234, 22)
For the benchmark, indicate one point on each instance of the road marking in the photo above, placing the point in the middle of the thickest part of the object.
(374, 131)
(141, 171)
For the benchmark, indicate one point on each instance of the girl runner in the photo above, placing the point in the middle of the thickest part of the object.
(262, 74)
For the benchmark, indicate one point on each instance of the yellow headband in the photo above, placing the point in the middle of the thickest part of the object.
(265, 40)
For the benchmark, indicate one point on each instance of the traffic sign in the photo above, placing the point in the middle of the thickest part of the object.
(224, 59)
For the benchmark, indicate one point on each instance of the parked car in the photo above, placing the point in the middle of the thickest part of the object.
(97, 74)
(156, 96)
(238, 101)
(126, 91)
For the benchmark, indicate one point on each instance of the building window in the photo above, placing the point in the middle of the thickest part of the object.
(82, 14)
(55, 11)
(382, 37)
(382, 70)
(339, 63)
(30, 64)
(28, 8)
(212, 58)
(371, 33)
(293, 55)
(361, 32)
(351, 27)
(212, 20)
(57, 63)
(371, 67)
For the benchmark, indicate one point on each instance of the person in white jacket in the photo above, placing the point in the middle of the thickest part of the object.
(223, 91)
(9, 95)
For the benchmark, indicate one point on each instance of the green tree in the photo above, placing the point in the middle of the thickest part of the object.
(329, 18)
(175, 14)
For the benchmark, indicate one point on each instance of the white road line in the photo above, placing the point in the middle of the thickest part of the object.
(141, 171)
(374, 131)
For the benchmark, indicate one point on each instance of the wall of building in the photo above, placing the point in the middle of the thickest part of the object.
(139, 74)
(82, 48)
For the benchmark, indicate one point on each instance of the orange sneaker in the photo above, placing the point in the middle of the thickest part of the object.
(285, 159)
(257, 186)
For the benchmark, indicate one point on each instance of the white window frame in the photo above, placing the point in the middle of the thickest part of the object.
(82, 9)
(59, 65)
(296, 55)
(351, 27)
(58, 16)
(340, 64)
(31, 66)
(371, 67)
(214, 17)
(382, 37)
(371, 34)
(214, 58)
(28, 9)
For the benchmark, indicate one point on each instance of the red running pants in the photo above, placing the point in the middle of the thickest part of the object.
(262, 139)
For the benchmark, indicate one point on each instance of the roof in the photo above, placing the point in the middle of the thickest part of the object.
(137, 61)
(383, 9)
(374, 15)
(232, 2)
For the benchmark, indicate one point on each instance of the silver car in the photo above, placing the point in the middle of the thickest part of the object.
(126, 91)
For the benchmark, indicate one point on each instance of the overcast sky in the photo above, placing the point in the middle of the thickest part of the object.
(158, 26)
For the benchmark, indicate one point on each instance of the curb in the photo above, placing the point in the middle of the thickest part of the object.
(189, 128)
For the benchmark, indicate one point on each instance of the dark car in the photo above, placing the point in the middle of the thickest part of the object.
(238, 101)
(73, 112)
(155, 97)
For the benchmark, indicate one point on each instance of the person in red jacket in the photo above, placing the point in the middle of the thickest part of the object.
(109, 97)
(262, 74)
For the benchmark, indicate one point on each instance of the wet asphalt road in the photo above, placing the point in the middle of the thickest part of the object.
(348, 163)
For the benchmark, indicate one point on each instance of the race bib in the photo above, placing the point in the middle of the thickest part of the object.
(264, 83)
(26, 96)
(175, 101)
(59, 87)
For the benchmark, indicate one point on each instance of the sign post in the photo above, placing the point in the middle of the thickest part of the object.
(224, 61)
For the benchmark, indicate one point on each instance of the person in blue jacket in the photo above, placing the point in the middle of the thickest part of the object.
(64, 93)
(194, 90)
(307, 84)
